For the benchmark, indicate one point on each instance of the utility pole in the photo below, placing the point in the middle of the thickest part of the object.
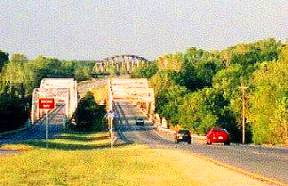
(243, 90)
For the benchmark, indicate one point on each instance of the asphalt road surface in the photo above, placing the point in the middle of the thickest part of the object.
(38, 131)
(265, 161)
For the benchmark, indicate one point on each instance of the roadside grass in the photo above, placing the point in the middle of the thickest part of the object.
(66, 141)
(75, 141)
(87, 159)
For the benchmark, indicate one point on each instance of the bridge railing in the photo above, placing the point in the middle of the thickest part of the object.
(51, 114)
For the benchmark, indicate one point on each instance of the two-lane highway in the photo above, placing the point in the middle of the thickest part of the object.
(264, 161)
(137, 134)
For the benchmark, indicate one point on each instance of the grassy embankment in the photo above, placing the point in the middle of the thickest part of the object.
(86, 159)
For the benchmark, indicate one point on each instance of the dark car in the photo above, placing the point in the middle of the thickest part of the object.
(183, 135)
(218, 135)
(140, 121)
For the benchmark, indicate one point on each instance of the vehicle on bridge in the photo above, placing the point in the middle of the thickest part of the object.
(218, 135)
(139, 121)
(183, 135)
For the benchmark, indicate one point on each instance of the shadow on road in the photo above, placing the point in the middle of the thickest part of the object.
(70, 147)
(67, 141)
(36, 132)
(83, 138)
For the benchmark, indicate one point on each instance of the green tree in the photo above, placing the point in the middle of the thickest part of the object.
(13, 112)
(4, 57)
(89, 115)
(13, 75)
(250, 54)
(147, 71)
(283, 56)
(202, 110)
(18, 58)
(169, 96)
(269, 105)
(170, 62)
(198, 69)
(82, 73)
(168, 102)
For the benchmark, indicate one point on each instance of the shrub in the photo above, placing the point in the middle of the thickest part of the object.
(89, 115)
(13, 113)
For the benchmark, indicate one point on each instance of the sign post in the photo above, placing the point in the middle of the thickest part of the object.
(47, 104)
(46, 128)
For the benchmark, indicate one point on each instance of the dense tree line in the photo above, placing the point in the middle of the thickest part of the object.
(195, 89)
(200, 89)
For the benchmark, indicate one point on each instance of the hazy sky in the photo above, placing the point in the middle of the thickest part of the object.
(149, 28)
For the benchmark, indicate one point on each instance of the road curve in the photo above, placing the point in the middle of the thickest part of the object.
(268, 162)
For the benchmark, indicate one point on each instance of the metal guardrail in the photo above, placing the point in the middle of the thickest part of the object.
(51, 114)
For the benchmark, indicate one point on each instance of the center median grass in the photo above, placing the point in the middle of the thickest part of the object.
(86, 159)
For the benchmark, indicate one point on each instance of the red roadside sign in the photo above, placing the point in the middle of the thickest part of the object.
(46, 103)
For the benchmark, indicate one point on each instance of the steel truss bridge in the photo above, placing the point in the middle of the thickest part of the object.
(119, 63)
